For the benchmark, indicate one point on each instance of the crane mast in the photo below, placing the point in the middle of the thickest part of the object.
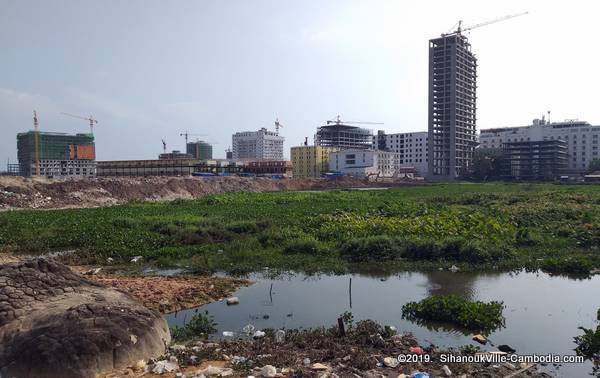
(37, 143)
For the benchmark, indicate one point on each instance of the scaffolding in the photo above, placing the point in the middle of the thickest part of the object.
(59, 153)
(534, 160)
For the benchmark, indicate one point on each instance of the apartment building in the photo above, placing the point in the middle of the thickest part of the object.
(310, 161)
(412, 148)
(262, 144)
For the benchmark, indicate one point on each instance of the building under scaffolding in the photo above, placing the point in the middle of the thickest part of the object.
(534, 160)
(58, 154)
(342, 136)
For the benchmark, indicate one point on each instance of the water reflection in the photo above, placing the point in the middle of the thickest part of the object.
(535, 303)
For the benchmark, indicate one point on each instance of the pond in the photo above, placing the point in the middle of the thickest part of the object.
(542, 311)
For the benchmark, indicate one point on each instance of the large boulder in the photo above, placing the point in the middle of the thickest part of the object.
(55, 323)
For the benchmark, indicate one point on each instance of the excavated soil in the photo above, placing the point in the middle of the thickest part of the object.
(27, 193)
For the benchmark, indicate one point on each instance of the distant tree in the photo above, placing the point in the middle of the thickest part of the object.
(594, 165)
(486, 164)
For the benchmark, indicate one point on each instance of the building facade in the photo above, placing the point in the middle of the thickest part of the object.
(56, 154)
(261, 144)
(175, 154)
(365, 163)
(452, 106)
(534, 160)
(269, 168)
(200, 150)
(583, 140)
(341, 136)
(310, 161)
(412, 148)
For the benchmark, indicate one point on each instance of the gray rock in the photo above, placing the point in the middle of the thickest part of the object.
(58, 324)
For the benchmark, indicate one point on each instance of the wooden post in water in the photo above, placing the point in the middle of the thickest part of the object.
(350, 291)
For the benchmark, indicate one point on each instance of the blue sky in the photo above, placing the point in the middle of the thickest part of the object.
(148, 70)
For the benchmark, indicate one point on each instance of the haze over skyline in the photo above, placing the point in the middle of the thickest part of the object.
(149, 70)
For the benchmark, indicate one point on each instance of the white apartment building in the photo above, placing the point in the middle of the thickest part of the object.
(412, 148)
(261, 145)
(581, 137)
(364, 163)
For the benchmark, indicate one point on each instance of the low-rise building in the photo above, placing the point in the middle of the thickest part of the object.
(310, 161)
(175, 154)
(269, 168)
(412, 148)
(365, 163)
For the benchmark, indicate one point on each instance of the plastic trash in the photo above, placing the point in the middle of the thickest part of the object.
(416, 350)
(421, 375)
(280, 336)
(258, 334)
(249, 329)
(227, 333)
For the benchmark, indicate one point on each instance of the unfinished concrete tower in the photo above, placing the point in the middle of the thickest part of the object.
(452, 106)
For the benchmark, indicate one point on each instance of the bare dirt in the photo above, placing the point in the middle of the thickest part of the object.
(27, 193)
(169, 294)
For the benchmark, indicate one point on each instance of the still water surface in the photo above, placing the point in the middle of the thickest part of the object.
(542, 312)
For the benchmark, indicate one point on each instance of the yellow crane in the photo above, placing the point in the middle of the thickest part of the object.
(36, 138)
(90, 119)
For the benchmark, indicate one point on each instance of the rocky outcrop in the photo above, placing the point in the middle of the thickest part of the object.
(55, 323)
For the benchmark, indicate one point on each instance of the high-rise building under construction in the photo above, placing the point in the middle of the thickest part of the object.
(452, 106)
(56, 154)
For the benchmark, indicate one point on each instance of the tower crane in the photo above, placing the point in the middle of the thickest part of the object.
(460, 30)
(338, 121)
(90, 119)
(37, 143)
(277, 126)
(186, 135)
(164, 146)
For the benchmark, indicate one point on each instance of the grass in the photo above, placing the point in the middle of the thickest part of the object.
(199, 326)
(478, 226)
(472, 315)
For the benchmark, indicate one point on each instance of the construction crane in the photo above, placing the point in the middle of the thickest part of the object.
(186, 135)
(338, 121)
(277, 126)
(164, 146)
(460, 30)
(90, 119)
(37, 143)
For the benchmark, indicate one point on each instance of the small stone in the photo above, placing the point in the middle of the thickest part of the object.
(402, 376)
(390, 362)
(306, 361)
(319, 366)
(268, 371)
(447, 371)
(480, 339)
(233, 301)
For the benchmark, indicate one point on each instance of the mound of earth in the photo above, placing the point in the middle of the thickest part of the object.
(55, 323)
(19, 192)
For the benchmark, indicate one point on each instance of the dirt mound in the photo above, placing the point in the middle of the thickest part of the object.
(25, 193)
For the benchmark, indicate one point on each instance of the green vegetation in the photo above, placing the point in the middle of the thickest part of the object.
(476, 316)
(199, 326)
(588, 345)
(475, 226)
